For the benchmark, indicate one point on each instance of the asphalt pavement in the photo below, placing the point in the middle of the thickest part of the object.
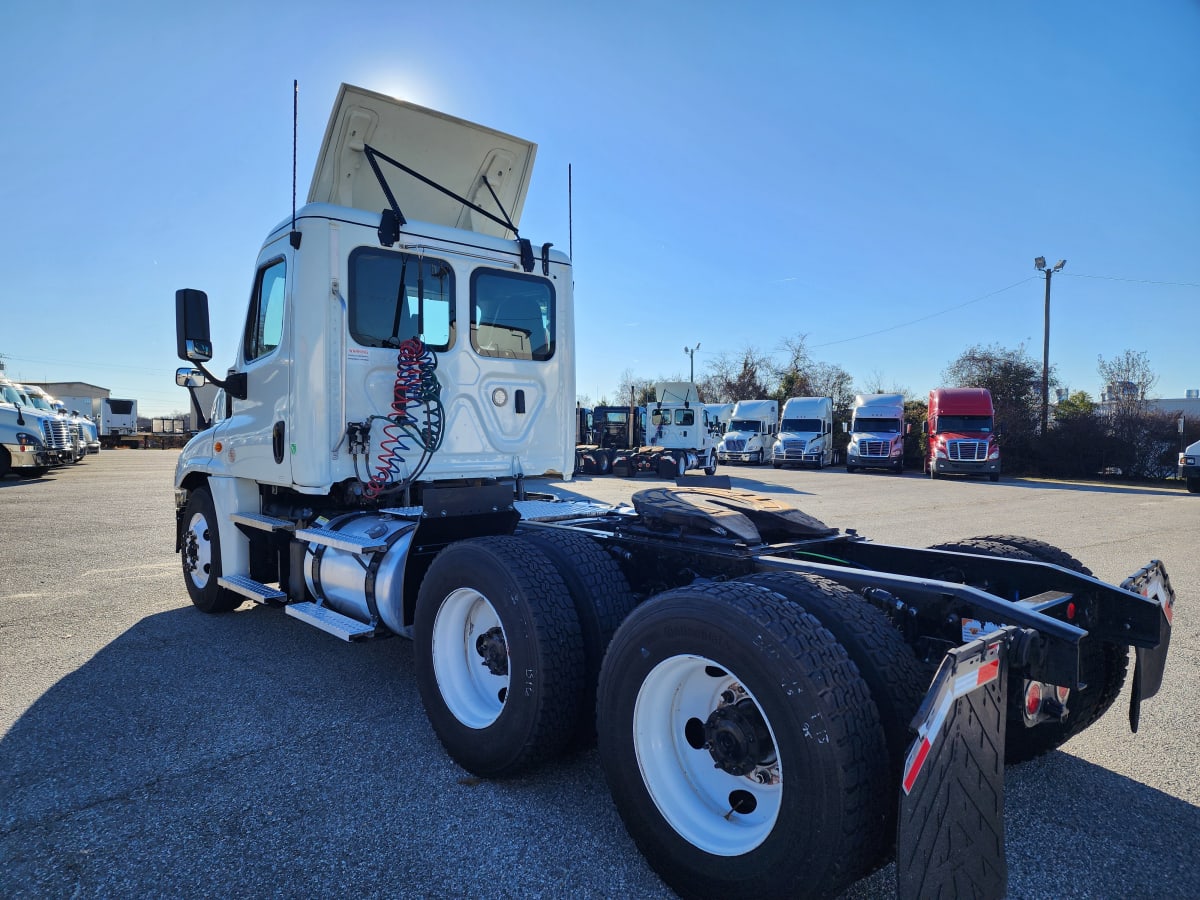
(147, 749)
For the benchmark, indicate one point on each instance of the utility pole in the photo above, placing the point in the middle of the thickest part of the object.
(1040, 265)
(691, 352)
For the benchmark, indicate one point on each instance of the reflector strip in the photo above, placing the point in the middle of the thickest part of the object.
(947, 692)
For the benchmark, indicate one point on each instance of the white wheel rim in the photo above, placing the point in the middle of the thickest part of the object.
(198, 530)
(691, 793)
(473, 694)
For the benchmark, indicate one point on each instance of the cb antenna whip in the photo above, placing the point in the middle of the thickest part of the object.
(294, 237)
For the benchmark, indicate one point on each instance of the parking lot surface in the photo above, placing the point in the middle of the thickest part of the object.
(147, 749)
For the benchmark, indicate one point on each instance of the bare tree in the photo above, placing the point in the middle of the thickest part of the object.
(745, 377)
(875, 384)
(1136, 431)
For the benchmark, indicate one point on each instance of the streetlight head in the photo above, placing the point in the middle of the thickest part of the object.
(1039, 263)
(1058, 265)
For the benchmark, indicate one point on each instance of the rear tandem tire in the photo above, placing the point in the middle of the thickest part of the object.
(201, 556)
(602, 600)
(1102, 664)
(794, 803)
(498, 655)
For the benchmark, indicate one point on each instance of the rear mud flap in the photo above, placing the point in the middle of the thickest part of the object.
(950, 840)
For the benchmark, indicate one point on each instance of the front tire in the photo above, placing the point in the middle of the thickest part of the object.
(201, 555)
(499, 655)
(740, 745)
(1193, 485)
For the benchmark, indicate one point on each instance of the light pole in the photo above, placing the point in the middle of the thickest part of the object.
(1040, 265)
(691, 352)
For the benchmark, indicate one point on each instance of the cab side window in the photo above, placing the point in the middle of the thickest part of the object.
(264, 323)
(685, 417)
(512, 315)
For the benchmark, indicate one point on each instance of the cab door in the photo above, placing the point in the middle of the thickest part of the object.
(254, 437)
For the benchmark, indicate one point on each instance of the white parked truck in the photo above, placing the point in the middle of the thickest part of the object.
(1189, 467)
(877, 431)
(679, 436)
(749, 436)
(27, 435)
(750, 674)
(805, 433)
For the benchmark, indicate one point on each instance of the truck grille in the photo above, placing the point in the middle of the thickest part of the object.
(57, 434)
(873, 448)
(735, 446)
(968, 451)
(794, 448)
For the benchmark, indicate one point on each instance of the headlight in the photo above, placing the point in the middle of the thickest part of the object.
(28, 441)
(1187, 460)
(994, 453)
(898, 449)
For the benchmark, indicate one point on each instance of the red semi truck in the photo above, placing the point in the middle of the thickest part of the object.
(962, 434)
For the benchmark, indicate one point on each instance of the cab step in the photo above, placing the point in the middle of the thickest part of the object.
(261, 522)
(248, 587)
(330, 621)
(351, 541)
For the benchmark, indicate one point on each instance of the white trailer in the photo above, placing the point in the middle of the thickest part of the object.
(805, 433)
(748, 672)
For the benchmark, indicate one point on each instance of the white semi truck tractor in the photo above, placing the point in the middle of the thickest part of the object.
(777, 704)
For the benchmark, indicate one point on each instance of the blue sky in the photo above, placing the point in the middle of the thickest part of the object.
(875, 176)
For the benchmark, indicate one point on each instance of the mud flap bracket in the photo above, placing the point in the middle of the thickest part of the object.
(950, 840)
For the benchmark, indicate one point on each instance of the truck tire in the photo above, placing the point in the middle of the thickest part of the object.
(710, 467)
(499, 655)
(896, 678)
(1102, 664)
(5, 462)
(201, 555)
(602, 600)
(1193, 485)
(993, 477)
(741, 746)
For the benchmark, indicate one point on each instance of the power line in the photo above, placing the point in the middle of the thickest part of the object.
(940, 312)
(1133, 280)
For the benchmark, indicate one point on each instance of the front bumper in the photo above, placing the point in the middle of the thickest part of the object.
(23, 456)
(965, 467)
(878, 462)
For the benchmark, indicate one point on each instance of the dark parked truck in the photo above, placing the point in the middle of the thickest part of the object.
(613, 429)
(779, 706)
(962, 433)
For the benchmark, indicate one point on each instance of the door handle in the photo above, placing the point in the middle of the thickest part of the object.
(277, 434)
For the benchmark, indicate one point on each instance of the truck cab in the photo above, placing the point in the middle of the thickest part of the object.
(877, 431)
(26, 435)
(749, 437)
(805, 433)
(962, 435)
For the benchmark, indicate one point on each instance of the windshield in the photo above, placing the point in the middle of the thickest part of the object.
(745, 425)
(964, 423)
(11, 396)
(886, 426)
(40, 402)
(801, 425)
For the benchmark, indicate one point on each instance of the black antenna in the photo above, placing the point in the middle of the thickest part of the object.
(294, 237)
